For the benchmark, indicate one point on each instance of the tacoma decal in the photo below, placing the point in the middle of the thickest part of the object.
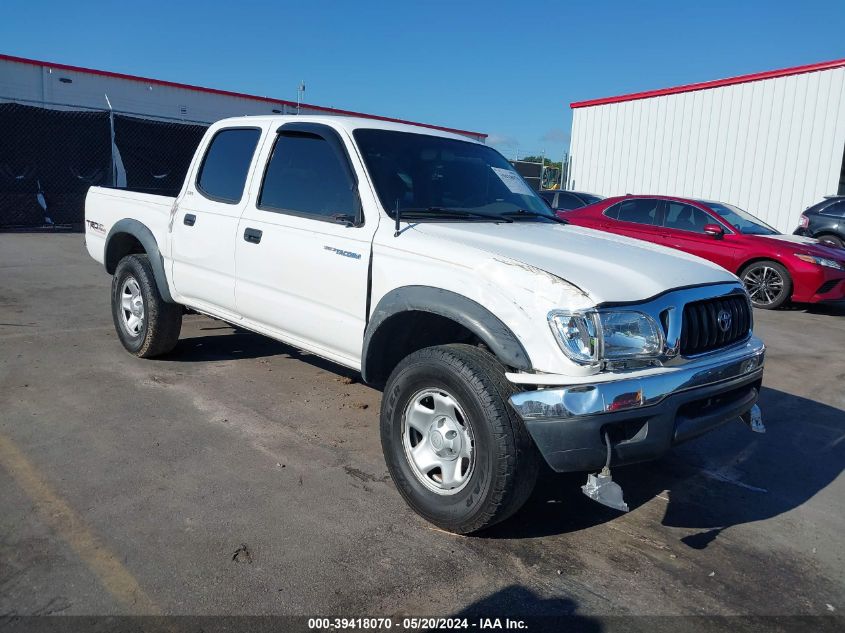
(338, 251)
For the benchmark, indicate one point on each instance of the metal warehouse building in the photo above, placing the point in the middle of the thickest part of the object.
(772, 143)
(64, 128)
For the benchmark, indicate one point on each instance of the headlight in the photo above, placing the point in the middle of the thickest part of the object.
(629, 335)
(577, 335)
(820, 261)
(591, 337)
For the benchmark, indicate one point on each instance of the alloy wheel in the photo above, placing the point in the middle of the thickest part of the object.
(438, 441)
(765, 285)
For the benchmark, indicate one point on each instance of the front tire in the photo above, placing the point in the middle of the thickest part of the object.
(458, 453)
(768, 284)
(146, 324)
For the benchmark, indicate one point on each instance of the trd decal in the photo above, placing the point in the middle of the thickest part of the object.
(95, 226)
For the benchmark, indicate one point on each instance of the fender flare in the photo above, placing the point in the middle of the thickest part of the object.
(143, 234)
(472, 315)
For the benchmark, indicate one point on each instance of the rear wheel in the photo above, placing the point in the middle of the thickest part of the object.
(768, 284)
(146, 324)
(831, 240)
(457, 452)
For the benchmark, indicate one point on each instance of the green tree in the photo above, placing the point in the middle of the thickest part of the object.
(546, 162)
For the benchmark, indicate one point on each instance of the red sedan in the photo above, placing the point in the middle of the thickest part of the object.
(774, 267)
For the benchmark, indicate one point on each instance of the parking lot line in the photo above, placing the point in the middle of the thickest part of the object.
(71, 527)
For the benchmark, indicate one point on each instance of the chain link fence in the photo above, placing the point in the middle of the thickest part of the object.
(51, 153)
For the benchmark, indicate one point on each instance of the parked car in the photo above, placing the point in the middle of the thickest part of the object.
(561, 200)
(825, 221)
(774, 267)
(499, 334)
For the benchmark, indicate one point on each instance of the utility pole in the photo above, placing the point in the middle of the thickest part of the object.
(300, 91)
(542, 166)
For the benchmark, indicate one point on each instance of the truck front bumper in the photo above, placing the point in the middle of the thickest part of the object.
(644, 416)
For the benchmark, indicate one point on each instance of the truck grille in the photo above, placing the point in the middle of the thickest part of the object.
(704, 326)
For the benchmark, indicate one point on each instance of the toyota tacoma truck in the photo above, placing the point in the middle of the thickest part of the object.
(502, 337)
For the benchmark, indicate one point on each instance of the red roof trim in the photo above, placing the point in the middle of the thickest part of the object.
(717, 83)
(227, 93)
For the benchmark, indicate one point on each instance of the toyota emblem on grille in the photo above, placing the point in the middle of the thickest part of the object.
(724, 320)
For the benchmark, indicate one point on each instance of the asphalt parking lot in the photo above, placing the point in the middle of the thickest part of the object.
(238, 476)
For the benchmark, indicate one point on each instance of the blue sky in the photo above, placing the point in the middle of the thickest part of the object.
(505, 68)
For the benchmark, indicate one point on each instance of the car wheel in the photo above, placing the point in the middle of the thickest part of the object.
(831, 240)
(768, 284)
(146, 324)
(458, 453)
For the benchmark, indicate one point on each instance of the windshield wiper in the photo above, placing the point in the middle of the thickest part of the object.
(525, 213)
(443, 212)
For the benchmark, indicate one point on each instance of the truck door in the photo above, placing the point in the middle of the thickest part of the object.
(303, 245)
(206, 222)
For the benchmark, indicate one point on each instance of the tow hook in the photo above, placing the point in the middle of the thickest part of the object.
(601, 487)
(754, 419)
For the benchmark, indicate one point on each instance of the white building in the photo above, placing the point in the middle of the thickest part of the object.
(49, 84)
(772, 143)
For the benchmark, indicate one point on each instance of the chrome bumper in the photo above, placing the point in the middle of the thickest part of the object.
(633, 393)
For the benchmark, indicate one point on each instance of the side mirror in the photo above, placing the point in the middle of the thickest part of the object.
(714, 230)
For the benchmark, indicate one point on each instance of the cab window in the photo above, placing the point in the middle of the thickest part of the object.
(224, 168)
(305, 177)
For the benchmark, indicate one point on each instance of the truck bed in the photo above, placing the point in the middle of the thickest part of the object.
(104, 207)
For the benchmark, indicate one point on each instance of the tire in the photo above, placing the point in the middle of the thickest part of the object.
(768, 284)
(146, 324)
(831, 240)
(497, 479)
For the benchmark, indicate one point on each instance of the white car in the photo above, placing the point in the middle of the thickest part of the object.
(502, 336)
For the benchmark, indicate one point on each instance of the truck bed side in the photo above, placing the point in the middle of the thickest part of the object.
(105, 207)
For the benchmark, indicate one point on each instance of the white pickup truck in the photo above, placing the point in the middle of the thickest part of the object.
(502, 337)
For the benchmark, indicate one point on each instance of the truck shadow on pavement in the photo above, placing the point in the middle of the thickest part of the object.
(516, 602)
(227, 342)
(726, 478)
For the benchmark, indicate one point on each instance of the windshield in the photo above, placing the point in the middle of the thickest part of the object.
(741, 220)
(430, 177)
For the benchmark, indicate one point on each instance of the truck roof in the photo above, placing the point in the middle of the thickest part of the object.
(348, 123)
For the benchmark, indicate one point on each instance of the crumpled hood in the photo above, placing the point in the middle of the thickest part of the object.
(607, 267)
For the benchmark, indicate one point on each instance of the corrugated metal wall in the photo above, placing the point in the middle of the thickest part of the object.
(772, 146)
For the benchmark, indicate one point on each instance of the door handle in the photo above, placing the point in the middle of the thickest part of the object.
(190, 219)
(253, 236)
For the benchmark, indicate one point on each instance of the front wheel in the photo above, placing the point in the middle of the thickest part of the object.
(457, 452)
(768, 284)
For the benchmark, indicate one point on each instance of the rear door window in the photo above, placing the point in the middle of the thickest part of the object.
(567, 202)
(836, 210)
(639, 211)
(225, 167)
